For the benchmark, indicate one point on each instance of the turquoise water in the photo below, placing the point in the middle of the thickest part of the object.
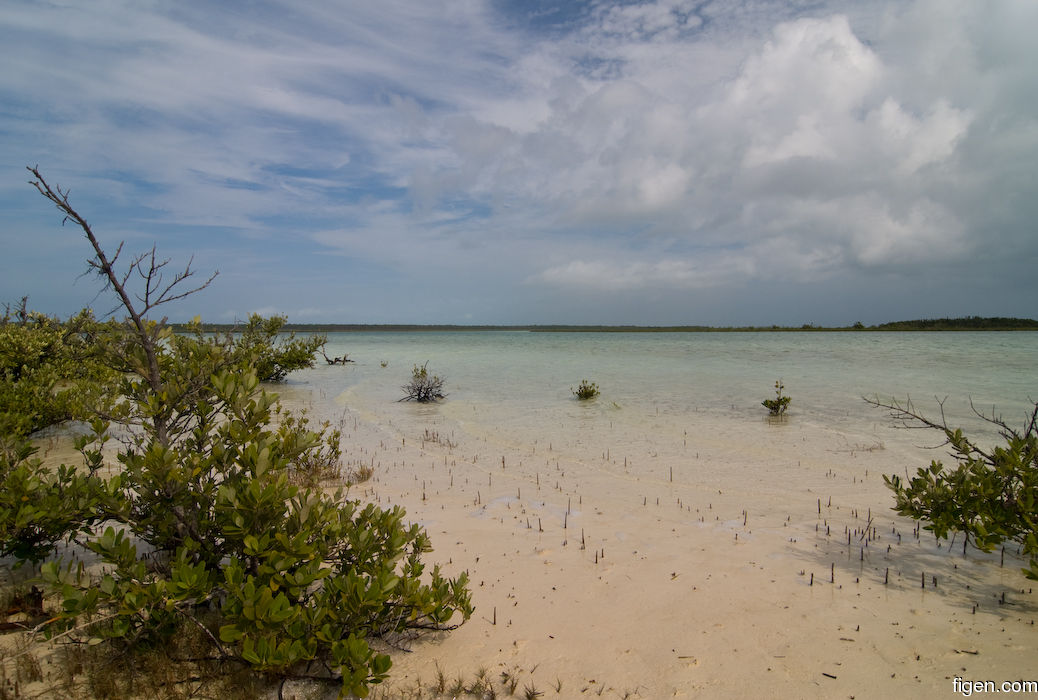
(519, 382)
(713, 522)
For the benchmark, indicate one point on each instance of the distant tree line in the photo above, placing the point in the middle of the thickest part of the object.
(970, 323)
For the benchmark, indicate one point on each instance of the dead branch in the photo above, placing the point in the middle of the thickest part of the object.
(156, 291)
(908, 417)
(336, 360)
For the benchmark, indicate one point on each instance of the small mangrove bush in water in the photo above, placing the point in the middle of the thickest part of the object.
(778, 405)
(423, 387)
(586, 390)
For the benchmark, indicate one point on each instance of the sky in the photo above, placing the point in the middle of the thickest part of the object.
(667, 162)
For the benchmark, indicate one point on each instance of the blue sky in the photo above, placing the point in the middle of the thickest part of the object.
(469, 161)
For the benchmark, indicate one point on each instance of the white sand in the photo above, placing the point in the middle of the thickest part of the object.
(700, 568)
(615, 581)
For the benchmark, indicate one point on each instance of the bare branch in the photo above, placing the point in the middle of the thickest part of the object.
(145, 265)
(101, 262)
(224, 654)
(155, 291)
(907, 417)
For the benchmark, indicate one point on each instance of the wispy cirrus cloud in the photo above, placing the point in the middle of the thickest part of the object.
(507, 161)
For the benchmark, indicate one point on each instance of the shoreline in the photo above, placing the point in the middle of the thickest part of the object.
(709, 573)
(756, 558)
(896, 327)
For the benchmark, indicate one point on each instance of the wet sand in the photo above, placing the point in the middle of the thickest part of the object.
(761, 559)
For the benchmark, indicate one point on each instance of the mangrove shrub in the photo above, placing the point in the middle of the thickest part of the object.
(206, 526)
(989, 495)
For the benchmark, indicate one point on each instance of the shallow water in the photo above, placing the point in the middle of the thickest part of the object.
(668, 539)
(725, 551)
(516, 386)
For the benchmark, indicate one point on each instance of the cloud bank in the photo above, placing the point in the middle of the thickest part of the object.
(655, 162)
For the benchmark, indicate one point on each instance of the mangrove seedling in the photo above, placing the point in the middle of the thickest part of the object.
(586, 390)
(778, 405)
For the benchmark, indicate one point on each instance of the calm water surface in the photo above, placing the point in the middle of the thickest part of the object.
(520, 382)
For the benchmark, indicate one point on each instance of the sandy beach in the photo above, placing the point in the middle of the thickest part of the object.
(716, 565)
(699, 207)
(760, 558)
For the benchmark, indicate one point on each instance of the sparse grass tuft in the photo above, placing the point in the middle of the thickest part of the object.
(435, 438)
(531, 693)
(360, 475)
(510, 681)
